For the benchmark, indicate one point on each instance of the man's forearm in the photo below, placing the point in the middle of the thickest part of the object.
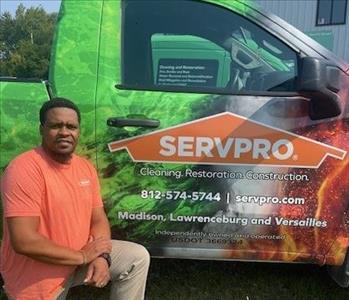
(40, 248)
(45, 250)
(26, 240)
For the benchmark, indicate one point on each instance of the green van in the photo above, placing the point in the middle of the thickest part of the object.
(219, 131)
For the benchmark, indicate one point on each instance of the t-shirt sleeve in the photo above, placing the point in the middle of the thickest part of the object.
(21, 189)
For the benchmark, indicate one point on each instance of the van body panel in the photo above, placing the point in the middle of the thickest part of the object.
(74, 63)
(20, 105)
(135, 189)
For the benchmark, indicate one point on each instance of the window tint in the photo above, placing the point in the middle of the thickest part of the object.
(331, 12)
(187, 60)
(191, 45)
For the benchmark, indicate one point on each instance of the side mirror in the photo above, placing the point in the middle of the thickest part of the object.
(320, 81)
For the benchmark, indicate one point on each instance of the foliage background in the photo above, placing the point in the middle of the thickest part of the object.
(25, 42)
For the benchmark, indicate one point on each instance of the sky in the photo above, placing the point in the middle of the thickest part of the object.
(11, 5)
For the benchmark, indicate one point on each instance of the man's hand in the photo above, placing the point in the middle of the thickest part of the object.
(95, 248)
(98, 274)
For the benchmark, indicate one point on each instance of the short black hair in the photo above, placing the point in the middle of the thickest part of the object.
(57, 102)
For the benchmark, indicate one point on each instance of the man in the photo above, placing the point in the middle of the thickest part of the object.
(56, 233)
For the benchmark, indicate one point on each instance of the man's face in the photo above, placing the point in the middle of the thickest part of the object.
(60, 133)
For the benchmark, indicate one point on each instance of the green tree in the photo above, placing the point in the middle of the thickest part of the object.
(25, 42)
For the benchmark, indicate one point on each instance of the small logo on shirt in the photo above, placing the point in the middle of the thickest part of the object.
(84, 182)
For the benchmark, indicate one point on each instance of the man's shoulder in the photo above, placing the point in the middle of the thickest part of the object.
(26, 165)
(27, 157)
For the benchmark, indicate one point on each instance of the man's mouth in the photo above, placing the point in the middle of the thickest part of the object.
(64, 142)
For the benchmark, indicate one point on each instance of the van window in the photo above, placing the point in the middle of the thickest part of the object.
(187, 60)
(193, 46)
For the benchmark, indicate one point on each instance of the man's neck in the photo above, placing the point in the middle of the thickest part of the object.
(58, 157)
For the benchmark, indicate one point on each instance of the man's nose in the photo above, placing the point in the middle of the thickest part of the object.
(63, 130)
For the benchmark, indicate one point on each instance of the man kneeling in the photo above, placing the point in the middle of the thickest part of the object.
(56, 233)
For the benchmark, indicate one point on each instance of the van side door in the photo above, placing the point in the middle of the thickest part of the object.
(211, 149)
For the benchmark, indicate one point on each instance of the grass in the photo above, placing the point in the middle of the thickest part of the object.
(175, 279)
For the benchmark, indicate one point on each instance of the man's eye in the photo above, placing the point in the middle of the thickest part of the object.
(55, 126)
(72, 127)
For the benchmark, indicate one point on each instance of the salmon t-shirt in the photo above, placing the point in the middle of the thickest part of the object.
(62, 196)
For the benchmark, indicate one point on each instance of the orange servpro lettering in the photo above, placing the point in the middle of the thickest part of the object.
(227, 139)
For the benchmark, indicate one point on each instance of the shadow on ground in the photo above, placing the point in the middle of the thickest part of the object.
(175, 279)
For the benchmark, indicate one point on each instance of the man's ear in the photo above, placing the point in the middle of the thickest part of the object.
(41, 129)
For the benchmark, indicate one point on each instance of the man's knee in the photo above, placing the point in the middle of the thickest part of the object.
(139, 253)
(143, 254)
(130, 254)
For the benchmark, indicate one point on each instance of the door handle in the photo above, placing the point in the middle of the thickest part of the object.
(133, 122)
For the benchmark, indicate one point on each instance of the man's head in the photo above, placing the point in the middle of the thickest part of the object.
(57, 102)
(59, 128)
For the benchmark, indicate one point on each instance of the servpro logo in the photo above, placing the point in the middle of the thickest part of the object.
(227, 139)
(234, 147)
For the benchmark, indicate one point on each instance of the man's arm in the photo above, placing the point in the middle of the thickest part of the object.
(26, 240)
(98, 272)
(99, 224)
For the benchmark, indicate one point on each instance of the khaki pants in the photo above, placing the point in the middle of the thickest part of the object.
(129, 269)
